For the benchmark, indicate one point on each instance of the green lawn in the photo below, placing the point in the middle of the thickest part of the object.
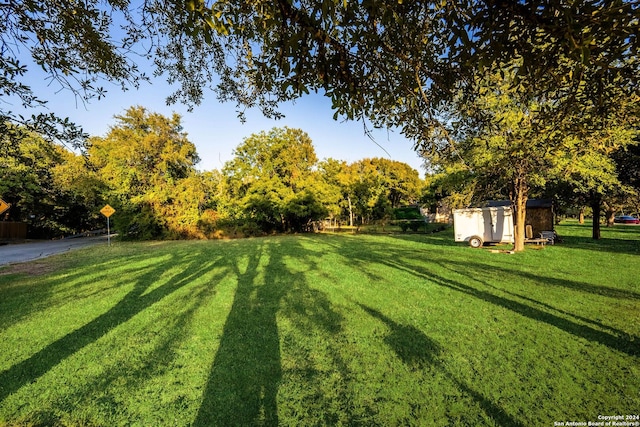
(324, 330)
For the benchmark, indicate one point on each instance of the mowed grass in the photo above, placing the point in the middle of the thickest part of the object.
(324, 330)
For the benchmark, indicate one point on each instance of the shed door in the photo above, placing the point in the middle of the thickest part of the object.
(497, 224)
(492, 230)
(501, 225)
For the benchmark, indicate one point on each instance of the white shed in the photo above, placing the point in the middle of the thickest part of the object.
(483, 225)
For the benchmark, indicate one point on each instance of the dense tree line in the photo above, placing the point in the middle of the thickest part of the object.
(520, 94)
(145, 167)
(46, 185)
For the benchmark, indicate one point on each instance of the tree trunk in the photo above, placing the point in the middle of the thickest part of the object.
(610, 214)
(595, 206)
(581, 217)
(283, 223)
(350, 212)
(519, 198)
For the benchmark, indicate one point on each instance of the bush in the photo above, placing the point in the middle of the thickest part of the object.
(251, 229)
(415, 225)
(410, 225)
(410, 212)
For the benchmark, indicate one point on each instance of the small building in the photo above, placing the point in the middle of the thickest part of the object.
(540, 215)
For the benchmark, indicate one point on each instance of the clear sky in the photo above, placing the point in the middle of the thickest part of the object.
(216, 130)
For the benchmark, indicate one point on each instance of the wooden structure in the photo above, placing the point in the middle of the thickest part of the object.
(540, 215)
(11, 230)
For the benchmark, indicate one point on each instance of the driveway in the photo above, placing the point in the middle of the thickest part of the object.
(21, 252)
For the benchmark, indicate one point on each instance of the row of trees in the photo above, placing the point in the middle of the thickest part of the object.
(560, 77)
(145, 167)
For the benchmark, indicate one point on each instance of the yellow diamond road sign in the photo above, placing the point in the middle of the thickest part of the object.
(3, 206)
(107, 211)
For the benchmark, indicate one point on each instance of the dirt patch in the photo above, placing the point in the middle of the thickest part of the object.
(28, 268)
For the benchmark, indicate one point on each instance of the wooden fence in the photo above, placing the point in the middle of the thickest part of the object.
(10, 230)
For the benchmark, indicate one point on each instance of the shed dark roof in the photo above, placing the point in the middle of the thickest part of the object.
(531, 203)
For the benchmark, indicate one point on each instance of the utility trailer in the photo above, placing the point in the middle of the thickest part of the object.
(483, 225)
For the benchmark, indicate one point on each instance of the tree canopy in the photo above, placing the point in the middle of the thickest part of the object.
(47, 186)
(273, 183)
(148, 164)
(394, 62)
(358, 52)
(145, 168)
(504, 139)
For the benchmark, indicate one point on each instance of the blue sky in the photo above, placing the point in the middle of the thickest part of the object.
(216, 130)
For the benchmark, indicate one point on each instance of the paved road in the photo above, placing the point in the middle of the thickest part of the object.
(21, 252)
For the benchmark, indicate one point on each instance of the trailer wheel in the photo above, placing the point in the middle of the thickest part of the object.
(475, 242)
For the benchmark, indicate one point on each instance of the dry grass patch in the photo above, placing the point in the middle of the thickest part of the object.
(30, 268)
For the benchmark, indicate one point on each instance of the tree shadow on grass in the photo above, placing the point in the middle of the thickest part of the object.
(410, 344)
(606, 244)
(442, 238)
(125, 373)
(623, 239)
(21, 300)
(601, 290)
(624, 344)
(140, 298)
(418, 351)
(563, 312)
(247, 370)
(431, 270)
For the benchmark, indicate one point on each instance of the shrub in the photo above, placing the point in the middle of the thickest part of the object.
(251, 229)
(415, 225)
(409, 212)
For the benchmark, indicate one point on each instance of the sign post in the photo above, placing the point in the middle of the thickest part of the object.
(108, 211)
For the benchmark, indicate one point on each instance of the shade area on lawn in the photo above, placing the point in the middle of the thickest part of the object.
(323, 329)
